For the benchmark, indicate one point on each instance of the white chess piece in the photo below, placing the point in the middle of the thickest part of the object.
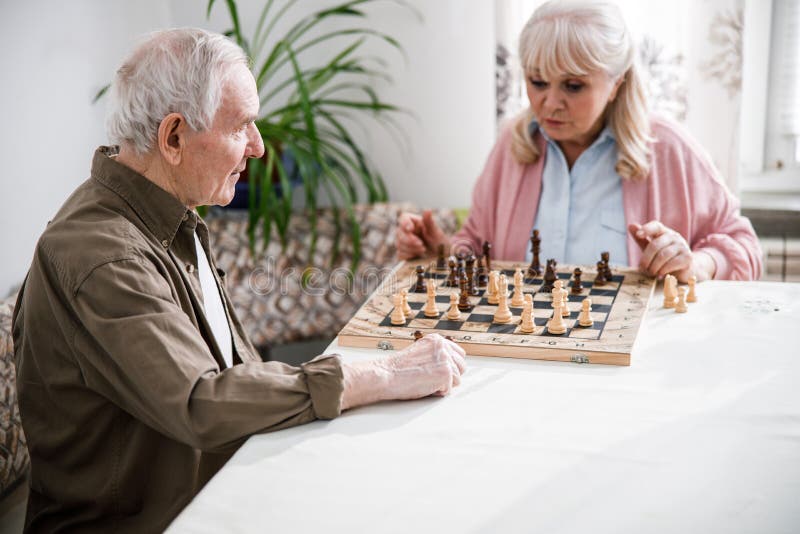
(680, 306)
(519, 297)
(557, 324)
(585, 319)
(503, 314)
(564, 302)
(669, 295)
(492, 289)
(526, 327)
(406, 308)
(398, 317)
(556, 292)
(692, 296)
(453, 313)
(430, 305)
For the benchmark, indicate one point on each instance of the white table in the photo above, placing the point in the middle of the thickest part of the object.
(700, 434)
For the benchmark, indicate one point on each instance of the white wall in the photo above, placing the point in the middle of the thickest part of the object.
(56, 55)
(448, 83)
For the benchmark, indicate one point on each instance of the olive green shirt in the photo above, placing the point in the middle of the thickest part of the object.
(125, 399)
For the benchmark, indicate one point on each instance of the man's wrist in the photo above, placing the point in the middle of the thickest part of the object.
(365, 382)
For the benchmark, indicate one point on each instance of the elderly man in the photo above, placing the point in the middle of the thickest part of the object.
(136, 380)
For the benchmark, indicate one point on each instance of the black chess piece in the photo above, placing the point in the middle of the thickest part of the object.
(441, 263)
(469, 270)
(535, 268)
(464, 304)
(487, 253)
(483, 276)
(600, 279)
(549, 276)
(577, 285)
(452, 278)
(607, 268)
(420, 286)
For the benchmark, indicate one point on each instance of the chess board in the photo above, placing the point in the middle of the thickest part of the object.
(618, 308)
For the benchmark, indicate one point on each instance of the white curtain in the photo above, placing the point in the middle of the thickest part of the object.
(691, 54)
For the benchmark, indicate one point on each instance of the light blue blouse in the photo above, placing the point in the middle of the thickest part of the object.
(580, 210)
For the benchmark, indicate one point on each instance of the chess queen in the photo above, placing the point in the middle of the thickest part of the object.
(644, 189)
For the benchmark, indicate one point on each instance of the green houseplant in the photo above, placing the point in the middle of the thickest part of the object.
(307, 114)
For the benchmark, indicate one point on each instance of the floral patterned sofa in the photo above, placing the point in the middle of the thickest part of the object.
(14, 461)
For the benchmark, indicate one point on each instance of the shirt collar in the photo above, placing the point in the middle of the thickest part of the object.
(605, 133)
(160, 211)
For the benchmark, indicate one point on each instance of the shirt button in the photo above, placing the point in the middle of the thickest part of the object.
(165, 243)
(186, 216)
(190, 267)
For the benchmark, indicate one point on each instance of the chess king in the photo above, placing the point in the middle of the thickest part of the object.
(641, 175)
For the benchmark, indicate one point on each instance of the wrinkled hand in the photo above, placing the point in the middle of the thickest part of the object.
(665, 251)
(418, 235)
(430, 366)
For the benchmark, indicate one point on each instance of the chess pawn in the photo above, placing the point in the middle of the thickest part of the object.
(526, 327)
(452, 312)
(680, 307)
(584, 319)
(420, 285)
(691, 296)
(430, 305)
(519, 297)
(557, 324)
(398, 317)
(669, 293)
(441, 263)
(577, 285)
(406, 308)
(492, 289)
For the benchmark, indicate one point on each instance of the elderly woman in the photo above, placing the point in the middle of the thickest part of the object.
(592, 171)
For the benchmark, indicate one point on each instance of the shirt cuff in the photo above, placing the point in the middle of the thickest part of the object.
(325, 385)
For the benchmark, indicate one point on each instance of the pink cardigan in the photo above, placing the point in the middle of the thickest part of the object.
(683, 191)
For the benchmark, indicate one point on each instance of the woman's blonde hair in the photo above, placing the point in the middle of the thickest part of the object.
(579, 37)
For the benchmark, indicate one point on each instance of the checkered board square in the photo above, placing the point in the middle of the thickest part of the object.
(617, 309)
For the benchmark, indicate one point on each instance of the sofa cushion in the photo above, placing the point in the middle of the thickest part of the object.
(14, 461)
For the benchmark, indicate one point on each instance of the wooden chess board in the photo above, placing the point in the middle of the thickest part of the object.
(618, 308)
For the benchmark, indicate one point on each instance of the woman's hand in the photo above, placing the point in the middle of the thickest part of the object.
(418, 235)
(665, 251)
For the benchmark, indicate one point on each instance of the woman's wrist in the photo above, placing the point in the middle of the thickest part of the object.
(703, 265)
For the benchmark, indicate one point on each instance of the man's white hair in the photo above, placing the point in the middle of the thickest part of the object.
(172, 71)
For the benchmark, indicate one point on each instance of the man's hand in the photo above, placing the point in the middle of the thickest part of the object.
(418, 235)
(665, 251)
(431, 366)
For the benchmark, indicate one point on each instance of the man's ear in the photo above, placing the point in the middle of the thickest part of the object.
(172, 138)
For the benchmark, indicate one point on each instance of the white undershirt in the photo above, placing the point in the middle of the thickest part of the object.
(215, 311)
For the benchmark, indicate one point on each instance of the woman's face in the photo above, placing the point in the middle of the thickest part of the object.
(570, 108)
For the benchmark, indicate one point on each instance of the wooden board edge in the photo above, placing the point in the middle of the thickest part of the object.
(510, 351)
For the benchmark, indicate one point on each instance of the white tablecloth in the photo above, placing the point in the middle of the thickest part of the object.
(700, 434)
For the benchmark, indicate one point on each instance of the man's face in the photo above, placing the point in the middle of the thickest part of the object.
(212, 160)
